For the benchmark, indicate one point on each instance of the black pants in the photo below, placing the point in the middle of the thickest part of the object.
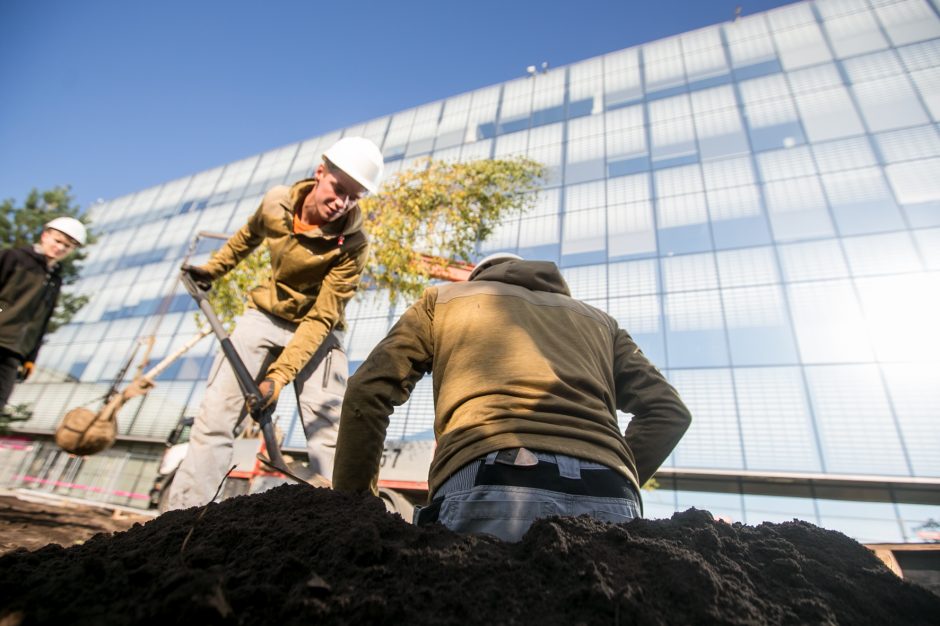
(9, 368)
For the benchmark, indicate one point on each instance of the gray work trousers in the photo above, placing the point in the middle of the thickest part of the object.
(259, 338)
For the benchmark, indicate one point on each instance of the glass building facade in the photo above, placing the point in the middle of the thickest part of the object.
(756, 202)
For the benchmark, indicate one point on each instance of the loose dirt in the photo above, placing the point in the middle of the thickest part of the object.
(299, 555)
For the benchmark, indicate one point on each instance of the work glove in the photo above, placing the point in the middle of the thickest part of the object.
(25, 370)
(270, 389)
(199, 274)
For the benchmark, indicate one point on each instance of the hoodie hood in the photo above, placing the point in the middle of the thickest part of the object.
(533, 275)
(347, 225)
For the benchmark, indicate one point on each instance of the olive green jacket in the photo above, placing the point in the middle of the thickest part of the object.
(313, 274)
(515, 362)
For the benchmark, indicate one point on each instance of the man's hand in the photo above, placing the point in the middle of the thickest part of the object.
(270, 389)
(199, 274)
(26, 369)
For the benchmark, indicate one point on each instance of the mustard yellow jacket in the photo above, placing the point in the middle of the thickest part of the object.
(515, 362)
(313, 273)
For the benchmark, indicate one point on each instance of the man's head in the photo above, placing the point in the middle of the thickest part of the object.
(61, 236)
(351, 169)
(491, 260)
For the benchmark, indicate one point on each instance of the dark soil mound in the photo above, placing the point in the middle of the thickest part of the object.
(297, 555)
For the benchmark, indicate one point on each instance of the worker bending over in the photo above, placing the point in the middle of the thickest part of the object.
(527, 384)
(292, 328)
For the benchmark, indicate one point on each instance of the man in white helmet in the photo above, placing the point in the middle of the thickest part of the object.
(527, 384)
(292, 328)
(30, 280)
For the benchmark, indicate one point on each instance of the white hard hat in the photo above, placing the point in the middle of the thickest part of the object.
(491, 260)
(71, 227)
(360, 158)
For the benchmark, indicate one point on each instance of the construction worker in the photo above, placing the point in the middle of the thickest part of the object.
(527, 384)
(30, 280)
(292, 328)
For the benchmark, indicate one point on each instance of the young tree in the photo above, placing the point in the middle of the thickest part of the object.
(22, 225)
(430, 217)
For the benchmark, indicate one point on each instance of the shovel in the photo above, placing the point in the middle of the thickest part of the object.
(245, 380)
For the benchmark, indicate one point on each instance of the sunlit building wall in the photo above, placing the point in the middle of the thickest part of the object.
(756, 202)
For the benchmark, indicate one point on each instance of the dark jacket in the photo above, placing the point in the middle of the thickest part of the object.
(314, 273)
(516, 362)
(28, 294)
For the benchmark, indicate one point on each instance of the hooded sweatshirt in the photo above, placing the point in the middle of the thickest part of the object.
(29, 289)
(314, 273)
(515, 362)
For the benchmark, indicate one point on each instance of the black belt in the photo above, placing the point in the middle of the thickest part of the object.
(602, 483)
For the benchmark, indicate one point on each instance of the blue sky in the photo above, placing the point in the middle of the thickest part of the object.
(112, 96)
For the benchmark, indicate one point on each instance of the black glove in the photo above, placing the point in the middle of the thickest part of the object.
(199, 274)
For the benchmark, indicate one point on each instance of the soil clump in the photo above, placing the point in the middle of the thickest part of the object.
(300, 555)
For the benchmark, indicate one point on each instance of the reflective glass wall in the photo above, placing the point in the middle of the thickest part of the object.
(757, 203)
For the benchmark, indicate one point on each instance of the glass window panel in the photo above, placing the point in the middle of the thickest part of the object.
(851, 27)
(861, 202)
(588, 282)
(884, 94)
(729, 204)
(397, 138)
(234, 178)
(814, 260)
(545, 146)
(513, 144)
(909, 144)
(844, 154)
(548, 98)
(866, 522)
(633, 278)
(720, 132)
(825, 107)
(928, 84)
(672, 133)
(797, 209)
(585, 196)
(641, 317)
(160, 410)
(881, 254)
(481, 123)
(202, 185)
(758, 327)
(771, 113)
(752, 266)
(749, 41)
(517, 104)
(538, 231)
(798, 38)
(728, 173)
(309, 156)
(630, 229)
(415, 417)
(363, 335)
(778, 509)
(585, 149)
(662, 64)
(421, 139)
(902, 313)
(776, 424)
(921, 56)
(689, 271)
(695, 334)
(622, 77)
(854, 420)
(675, 211)
(915, 396)
(929, 243)
(586, 87)
(829, 324)
(452, 128)
(703, 54)
(907, 21)
(476, 150)
(915, 182)
(788, 163)
(713, 439)
(581, 233)
(676, 181)
(626, 139)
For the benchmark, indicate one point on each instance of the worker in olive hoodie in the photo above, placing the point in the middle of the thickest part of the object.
(291, 330)
(527, 383)
(30, 281)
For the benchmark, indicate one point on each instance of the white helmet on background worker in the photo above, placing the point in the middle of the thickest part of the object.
(70, 227)
(360, 159)
(491, 260)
